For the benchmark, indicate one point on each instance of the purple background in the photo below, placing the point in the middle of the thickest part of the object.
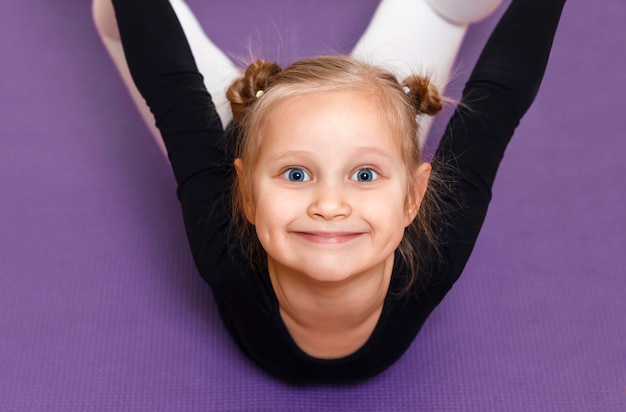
(101, 308)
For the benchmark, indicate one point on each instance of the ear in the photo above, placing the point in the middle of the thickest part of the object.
(420, 179)
(248, 205)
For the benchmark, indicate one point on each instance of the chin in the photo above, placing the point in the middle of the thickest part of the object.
(333, 272)
(328, 277)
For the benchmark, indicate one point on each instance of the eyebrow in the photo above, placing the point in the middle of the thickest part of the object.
(291, 153)
(376, 151)
(360, 151)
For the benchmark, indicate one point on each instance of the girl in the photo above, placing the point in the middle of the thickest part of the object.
(333, 266)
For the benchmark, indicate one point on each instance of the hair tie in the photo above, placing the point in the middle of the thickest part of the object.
(406, 89)
(259, 93)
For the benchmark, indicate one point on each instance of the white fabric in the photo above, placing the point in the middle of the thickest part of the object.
(465, 11)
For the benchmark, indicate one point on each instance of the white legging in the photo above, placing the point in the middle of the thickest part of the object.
(405, 36)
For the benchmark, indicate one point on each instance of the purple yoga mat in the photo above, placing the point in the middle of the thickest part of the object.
(101, 308)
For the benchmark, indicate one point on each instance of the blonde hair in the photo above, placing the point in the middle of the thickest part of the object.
(264, 85)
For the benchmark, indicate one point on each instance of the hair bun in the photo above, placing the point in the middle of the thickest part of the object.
(424, 94)
(247, 89)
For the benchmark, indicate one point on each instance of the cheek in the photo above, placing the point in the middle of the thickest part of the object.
(275, 206)
(387, 208)
(275, 213)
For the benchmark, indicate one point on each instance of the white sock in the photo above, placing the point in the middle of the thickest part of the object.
(464, 11)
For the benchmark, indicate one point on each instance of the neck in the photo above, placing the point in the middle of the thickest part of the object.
(330, 319)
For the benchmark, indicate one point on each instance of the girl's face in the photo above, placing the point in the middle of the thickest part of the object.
(329, 197)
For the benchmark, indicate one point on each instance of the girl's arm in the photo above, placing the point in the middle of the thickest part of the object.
(166, 75)
(501, 88)
(164, 71)
(218, 71)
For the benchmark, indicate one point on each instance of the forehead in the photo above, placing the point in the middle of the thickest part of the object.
(337, 118)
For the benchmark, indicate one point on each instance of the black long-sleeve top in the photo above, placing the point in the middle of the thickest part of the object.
(501, 87)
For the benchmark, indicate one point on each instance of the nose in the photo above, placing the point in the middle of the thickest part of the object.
(330, 202)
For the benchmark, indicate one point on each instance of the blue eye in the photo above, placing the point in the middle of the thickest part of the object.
(365, 175)
(296, 175)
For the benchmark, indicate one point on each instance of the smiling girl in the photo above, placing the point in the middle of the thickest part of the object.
(320, 234)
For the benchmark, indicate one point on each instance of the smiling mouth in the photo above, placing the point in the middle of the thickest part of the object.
(329, 238)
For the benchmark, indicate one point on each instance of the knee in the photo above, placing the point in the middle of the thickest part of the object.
(464, 11)
(104, 19)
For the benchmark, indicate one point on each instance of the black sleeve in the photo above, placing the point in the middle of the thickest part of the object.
(164, 70)
(500, 90)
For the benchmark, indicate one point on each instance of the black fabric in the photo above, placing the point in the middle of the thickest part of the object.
(501, 88)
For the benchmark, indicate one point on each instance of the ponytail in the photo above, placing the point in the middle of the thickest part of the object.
(424, 95)
(247, 89)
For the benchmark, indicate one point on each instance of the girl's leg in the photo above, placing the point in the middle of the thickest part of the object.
(217, 69)
(464, 11)
(420, 37)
